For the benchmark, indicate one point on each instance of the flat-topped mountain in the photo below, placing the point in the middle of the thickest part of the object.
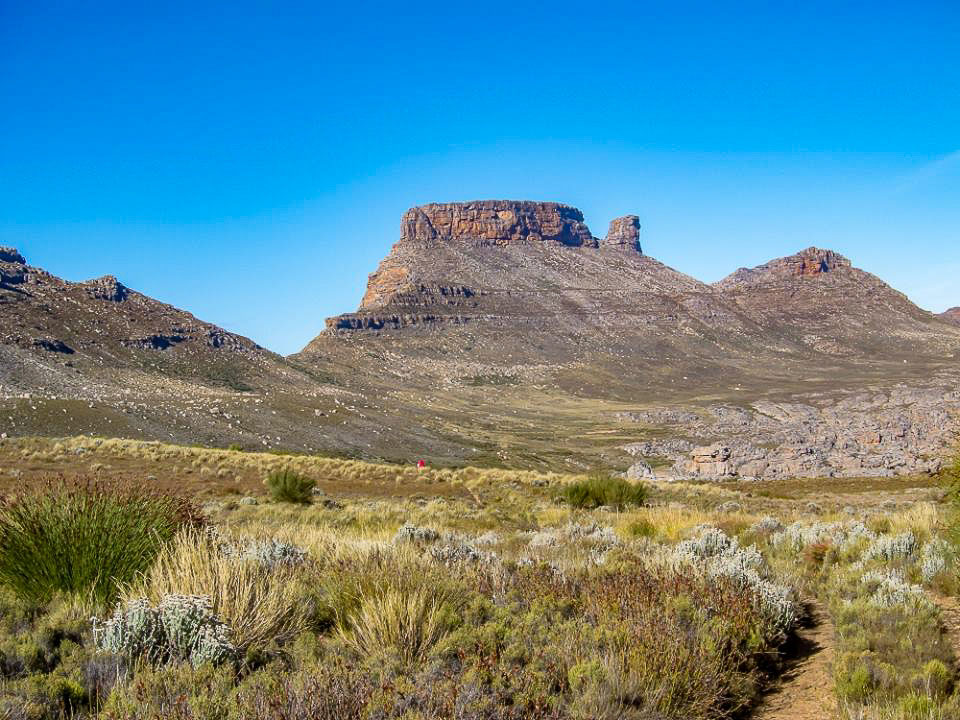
(534, 269)
(486, 310)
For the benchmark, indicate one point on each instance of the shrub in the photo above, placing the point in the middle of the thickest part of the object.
(415, 534)
(288, 486)
(180, 627)
(600, 489)
(84, 539)
(259, 601)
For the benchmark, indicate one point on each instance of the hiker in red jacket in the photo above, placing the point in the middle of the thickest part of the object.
(421, 464)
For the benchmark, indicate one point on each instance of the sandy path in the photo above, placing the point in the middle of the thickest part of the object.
(804, 690)
(950, 616)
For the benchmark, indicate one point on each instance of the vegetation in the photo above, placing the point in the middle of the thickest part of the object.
(476, 594)
(289, 486)
(601, 490)
(260, 600)
(84, 539)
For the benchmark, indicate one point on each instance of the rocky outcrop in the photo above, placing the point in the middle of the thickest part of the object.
(951, 315)
(107, 288)
(712, 461)
(807, 263)
(904, 431)
(496, 222)
(624, 232)
(357, 321)
(13, 268)
(11, 255)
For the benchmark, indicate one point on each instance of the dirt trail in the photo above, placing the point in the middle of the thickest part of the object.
(804, 690)
(950, 616)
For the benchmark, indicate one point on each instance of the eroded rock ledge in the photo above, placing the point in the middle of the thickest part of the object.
(807, 263)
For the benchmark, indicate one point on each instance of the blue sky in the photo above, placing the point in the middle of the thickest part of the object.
(251, 164)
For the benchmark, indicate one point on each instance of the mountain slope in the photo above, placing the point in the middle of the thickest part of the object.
(98, 357)
(951, 315)
(819, 298)
(485, 283)
(101, 326)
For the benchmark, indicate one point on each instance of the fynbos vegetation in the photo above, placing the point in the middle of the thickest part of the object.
(497, 595)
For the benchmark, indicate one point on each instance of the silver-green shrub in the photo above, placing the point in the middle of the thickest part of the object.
(721, 556)
(273, 553)
(933, 559)
(270, 553)
(890, 589)
(181, 628)
(415, 533)
(891, 547)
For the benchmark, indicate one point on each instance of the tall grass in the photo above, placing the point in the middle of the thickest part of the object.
(84, 539)
(950, 482)
(408, 621)
(603, 490)
(262, 604)
(289, 486)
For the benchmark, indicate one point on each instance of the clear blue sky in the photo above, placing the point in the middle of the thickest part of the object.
(250, 164)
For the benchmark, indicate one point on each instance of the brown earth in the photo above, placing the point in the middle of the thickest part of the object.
(804, 690)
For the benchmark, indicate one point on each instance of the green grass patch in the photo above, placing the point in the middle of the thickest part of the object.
(84, 539)
(603, 490)
(290, 487)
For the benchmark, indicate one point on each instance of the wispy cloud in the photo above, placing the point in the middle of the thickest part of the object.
(928, 171)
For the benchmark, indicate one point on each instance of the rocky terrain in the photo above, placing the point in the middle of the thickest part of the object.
(503, 332)
(952, 315)
(903, 431)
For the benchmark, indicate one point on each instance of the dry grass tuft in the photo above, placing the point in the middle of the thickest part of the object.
(410, 622)
(262, 605)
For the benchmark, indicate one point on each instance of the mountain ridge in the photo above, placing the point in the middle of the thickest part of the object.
(505, 332)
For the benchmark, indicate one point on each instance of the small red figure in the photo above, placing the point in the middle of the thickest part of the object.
(421, 464)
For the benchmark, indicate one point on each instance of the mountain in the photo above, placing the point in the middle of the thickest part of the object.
(506, 333)
(952, 315)
(99, 357)
(508, 328)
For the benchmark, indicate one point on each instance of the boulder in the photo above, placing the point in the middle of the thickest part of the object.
(640, 470)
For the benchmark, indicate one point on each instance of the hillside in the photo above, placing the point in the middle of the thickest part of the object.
(952, 315)
(99, 357)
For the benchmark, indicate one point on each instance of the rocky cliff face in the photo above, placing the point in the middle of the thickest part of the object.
(496, 222)
(625, 232)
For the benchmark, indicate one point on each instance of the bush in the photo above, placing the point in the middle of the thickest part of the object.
(599, 490)
(288, 486)
(180, 628)
(85, 539)
(260, 601)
